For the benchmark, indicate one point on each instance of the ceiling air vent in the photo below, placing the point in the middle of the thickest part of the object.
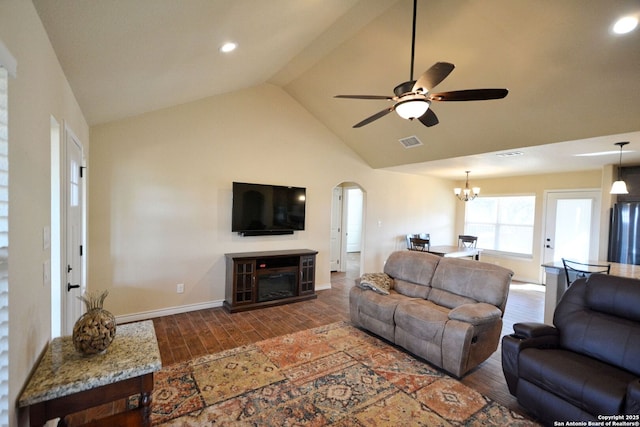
(410, 142)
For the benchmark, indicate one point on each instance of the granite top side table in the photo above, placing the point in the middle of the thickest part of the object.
(65, 381)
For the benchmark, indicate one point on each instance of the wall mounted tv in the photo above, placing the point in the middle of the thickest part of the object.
(260, 209)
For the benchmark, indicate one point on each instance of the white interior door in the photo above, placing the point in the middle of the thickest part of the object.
(571, 225)
(74, 242)
(336, 230)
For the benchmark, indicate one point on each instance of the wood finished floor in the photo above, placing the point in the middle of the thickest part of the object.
(182, 337)
(185, 336)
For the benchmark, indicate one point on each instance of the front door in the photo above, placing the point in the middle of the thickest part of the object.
(73, 265)
(572, 219)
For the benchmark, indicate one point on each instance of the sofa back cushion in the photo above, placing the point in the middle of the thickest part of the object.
(615, 295)
(412, 272)
(460, 281)
(597, 318)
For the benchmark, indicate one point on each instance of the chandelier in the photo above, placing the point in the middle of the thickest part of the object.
(466, 194)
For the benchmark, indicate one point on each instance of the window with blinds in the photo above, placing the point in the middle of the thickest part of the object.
(4, 249)
(502, 224)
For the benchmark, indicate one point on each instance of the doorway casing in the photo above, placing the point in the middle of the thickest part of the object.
(340, 219)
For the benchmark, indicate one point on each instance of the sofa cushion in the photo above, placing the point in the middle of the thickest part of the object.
(412, 267)
(424, 319)
(606, 337)
(587, 383)
(614, 295)
(476, 314)
(381, 307)
(412, 290)
(381, 283)
(460, 281)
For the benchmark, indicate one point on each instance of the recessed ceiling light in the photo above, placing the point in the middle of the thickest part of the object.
(228, 47)
(625, 25)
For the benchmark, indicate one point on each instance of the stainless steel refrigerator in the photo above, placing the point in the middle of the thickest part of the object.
(624, 234)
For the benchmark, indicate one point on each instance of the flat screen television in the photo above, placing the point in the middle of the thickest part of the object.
(261, 209)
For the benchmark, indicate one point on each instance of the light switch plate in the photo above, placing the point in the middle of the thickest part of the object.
(46, 273)
(46, 238)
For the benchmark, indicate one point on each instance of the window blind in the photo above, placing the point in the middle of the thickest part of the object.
(502, 223)
(4, 249)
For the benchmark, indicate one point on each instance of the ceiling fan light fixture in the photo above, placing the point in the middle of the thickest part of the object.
(412, 101)
(412, 108)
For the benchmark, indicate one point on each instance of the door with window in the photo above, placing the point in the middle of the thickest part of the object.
(74, 195)
(571, 223)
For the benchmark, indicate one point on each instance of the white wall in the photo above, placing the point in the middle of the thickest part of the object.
(529, 269)
(39, 91)
(355, 214)
(160, 196)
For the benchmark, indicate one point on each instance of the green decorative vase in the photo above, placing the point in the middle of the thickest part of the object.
(95, 330)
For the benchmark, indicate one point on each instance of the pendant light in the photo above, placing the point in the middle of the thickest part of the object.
(466, 194)
(619, 187)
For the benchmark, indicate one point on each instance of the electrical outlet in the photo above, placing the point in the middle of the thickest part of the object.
(180, 288)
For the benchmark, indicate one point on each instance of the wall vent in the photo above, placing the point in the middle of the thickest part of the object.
(410, 142)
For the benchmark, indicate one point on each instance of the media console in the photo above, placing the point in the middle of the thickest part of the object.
(262, 279)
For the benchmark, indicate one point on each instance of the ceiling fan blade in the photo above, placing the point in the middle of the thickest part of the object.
(388, 98)
(433, 76)
(469, 95)
(429, 118)
(376, 116)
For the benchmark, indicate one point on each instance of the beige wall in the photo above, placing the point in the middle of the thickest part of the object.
(160, 196)
(529, 269)
(39, 91)
(160, 192)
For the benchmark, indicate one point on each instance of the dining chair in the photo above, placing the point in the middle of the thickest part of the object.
(466, 241)
(418, 242)
(577, 270)
(408, 238)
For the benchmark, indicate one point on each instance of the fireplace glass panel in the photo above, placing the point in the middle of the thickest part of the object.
(276, 285)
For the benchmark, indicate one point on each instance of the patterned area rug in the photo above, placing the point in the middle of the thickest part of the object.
(333, 375)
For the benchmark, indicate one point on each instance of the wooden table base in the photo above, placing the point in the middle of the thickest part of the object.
(39, 413)
(133, 418)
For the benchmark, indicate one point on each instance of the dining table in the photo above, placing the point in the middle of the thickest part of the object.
(452, 251)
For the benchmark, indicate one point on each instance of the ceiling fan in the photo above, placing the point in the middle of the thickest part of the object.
(412, 99)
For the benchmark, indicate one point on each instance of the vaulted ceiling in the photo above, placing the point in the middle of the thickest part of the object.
(574, 87)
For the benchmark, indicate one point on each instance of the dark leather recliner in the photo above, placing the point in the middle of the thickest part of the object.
(588, 364)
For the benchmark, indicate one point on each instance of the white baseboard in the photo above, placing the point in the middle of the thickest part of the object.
(323, 287)
(144, 315)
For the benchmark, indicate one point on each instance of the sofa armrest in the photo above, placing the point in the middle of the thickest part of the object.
(632, 405)
(476, 314)
(534, 330)
(526, 335)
